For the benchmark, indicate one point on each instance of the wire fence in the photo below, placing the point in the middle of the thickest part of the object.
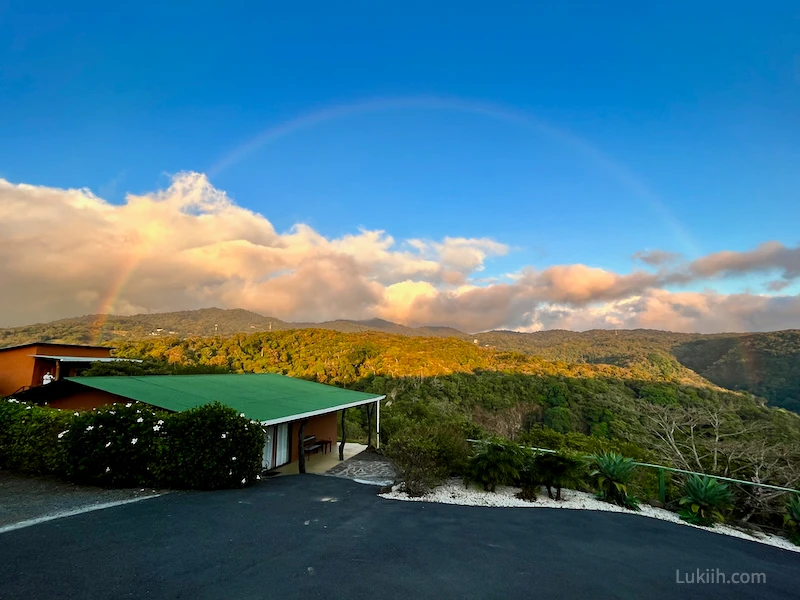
(663, 469)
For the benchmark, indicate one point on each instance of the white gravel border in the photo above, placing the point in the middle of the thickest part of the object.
(454, 492)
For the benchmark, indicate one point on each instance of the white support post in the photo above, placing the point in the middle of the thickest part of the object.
(378, 423)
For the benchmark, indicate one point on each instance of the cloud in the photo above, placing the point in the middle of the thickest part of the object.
(680, 311)
(64, 252)
(580, 285)
(656, 258)
(68, 252)
(777, 285)
(769, 256)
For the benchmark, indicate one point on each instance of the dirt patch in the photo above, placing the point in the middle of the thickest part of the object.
(24, 497)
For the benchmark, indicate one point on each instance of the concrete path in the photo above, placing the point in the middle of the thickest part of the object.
(320, 463)
(327, 537)
(366, 467)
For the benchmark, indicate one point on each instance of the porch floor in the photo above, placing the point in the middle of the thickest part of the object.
(320, 463)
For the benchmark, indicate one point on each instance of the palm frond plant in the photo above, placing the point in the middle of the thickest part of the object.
(559, 470)
(529, 478)
(791, 520)
(496, 462)
(705, 501)
(613, 473)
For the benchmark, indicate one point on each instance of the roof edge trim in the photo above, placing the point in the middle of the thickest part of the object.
(322, 411)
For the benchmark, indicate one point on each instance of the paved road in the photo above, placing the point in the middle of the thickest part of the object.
(325, 537)
(24, 497)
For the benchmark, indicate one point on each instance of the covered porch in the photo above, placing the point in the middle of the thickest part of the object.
(319, 464)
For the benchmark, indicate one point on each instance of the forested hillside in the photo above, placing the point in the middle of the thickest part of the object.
(657, 415)
(765, 364)
(110, 329)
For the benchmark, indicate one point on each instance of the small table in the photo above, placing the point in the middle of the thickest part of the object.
(326, 445)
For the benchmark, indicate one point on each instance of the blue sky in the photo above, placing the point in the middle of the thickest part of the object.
(574, 133)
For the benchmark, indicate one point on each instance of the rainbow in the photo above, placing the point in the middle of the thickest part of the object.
(106, 305)
(489, 110)
(509, 115)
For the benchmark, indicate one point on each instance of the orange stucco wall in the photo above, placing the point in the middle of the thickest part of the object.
(323, 426)
(18, 368)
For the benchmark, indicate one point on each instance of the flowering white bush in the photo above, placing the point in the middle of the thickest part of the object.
(211, 447)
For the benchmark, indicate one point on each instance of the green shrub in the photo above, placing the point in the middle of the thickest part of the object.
(209, 448)
(613, 473)
(791, 520)
(453, 448)
(529, 478)
(113, 446)
(29, 440)
(496, 462)
(705, 500)
(644, 482)
(11, 412)
(419, 458)
(130, 445)
(574, 441)
(559, 470)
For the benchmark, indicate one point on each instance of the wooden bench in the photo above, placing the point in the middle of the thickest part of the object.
(310, 444)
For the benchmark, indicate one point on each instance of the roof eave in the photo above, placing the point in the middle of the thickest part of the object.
(322, 411)
(29, 344)
(103, 359)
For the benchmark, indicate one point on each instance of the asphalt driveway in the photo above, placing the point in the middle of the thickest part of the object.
(325, 537)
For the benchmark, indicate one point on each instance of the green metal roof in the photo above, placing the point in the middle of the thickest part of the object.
(265, 397)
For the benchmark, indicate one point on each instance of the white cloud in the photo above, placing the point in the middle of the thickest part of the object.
(68, 252)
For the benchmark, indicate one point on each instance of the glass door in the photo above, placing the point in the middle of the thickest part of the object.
(282, 450)
(267, 459)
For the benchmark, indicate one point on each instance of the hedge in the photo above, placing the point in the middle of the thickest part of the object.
(130, 445)
(29, 439)
(209, 448)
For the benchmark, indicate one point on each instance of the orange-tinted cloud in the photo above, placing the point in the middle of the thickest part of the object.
(68, 252)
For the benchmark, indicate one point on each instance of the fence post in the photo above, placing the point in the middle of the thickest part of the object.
(662, 487)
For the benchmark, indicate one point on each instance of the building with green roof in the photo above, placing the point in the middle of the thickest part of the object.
(289, 409)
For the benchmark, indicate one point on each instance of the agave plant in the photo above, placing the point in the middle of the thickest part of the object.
(705, 500)
(557, 471)
(496, 462)
(613, 472)
(791, 520)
